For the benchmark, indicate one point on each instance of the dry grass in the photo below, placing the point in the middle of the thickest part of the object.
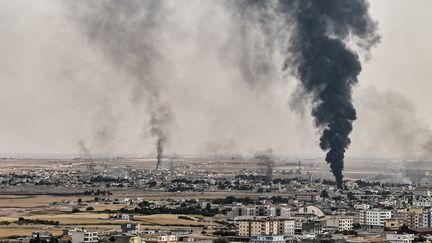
(166, 219)
(78, 218)
(15, 230)
(12, 201)
(72, 219)
(102, 219)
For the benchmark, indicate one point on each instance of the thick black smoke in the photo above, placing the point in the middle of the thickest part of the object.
(159, 121)
(327, 67)
(322, 35)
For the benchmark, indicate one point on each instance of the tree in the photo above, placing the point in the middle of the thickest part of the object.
(75, 210)
(90, 208)
(260, 190)
(324, 194)
(351, 196)
(208, 207)
(151, 184)
(144, 204)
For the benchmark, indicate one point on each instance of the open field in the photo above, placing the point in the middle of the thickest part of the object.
(95, 221)
(103, 219)
(18, 230)
(78, 219)
(32, 201)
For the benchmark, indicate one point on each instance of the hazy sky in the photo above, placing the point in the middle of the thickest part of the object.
(59, 92)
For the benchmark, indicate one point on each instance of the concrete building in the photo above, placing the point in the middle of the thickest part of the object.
(130, 227)
(307, 196)
(424, 192)
(265, 226)
(261, 210)
(400, 238)
(311, 211)
(159, 238)
(392, 224)
(268, 239)
(426, 218)
(42, 236)
(411, 217)
(83, 236)
(374, 217)
(420, 201)
(361, 206)
(339, 223)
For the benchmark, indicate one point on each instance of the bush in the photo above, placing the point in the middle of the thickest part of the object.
(225, 233)
(22, 221)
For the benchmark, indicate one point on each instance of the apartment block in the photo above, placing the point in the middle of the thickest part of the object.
(265, 226)
(261, 210)
(411, 217)
(374, 217)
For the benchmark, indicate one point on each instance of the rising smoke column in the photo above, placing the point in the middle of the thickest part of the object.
(158, 121)
(327, 67)
(127, 33)
(267, 163)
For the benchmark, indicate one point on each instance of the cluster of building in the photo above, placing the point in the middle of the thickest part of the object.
(130, 233)
(290, 207)
(401, 220)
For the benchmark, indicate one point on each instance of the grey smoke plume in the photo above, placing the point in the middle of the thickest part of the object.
(397, 130)
(266, 161)
(127, 33)
(82, 145)
(327, 67)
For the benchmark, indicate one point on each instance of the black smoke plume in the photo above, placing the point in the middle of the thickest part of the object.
(158, 121)
(327, 67)
(323, 36)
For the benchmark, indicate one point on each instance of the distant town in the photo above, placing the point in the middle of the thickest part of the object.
(81, 200)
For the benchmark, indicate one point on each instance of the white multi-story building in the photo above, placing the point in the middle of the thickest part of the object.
(420, 201)
(374, 217)
(339, 223)
(362, 206)
(424, 192)
(83, 236)
(400, 238)
(254, 226)
(161, 238)
(286, 227)
(268, 239)
(345, 224)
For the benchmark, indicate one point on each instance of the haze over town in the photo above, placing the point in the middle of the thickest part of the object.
(59, 89)
(215, 121)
